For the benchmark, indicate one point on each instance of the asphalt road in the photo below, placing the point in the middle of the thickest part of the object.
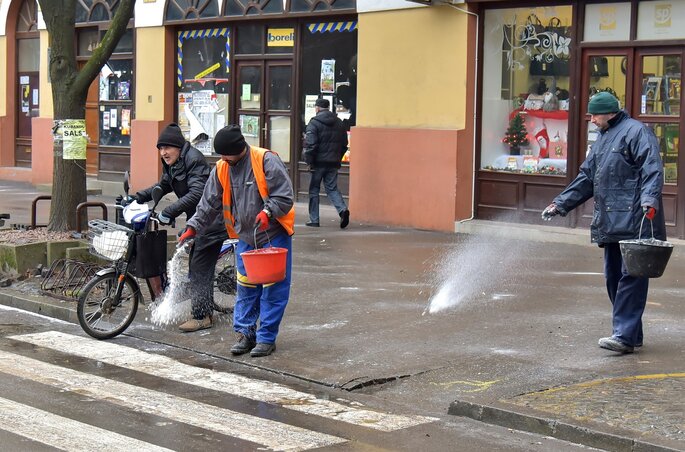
(56, 396)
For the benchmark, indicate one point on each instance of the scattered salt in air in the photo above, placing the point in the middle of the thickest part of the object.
(478, 269)
(174, 306)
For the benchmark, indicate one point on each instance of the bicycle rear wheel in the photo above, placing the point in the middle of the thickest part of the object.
(225, 283)
(103, 315)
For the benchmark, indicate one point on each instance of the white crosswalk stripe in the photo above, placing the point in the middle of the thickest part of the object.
(270, 434)
(263, 391)
(47, 428)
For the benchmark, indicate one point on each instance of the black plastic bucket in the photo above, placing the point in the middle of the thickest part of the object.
(645, 258)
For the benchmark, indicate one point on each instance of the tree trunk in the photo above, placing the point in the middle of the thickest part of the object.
(69, 92)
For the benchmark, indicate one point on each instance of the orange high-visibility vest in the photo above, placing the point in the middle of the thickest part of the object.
(224, 174)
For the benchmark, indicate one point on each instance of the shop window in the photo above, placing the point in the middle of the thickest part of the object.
(668, 135)
(250, 39)
(661, 85)
(249, 7)
(28, 55)
(27, 19)
(526, 90)
(191, 9)
(116, 102)
(301, 6)
(203, 84)
(95, 10)
(329, 69)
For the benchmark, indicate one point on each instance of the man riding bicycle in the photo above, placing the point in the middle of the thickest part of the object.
(185, 172)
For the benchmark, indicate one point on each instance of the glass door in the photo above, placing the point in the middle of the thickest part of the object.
(265, 103)
(603, 70)
(658, 104)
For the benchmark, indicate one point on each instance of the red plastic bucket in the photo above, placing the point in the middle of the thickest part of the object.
(265, 265)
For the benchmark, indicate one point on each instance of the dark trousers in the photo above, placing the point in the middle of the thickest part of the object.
(329, 176)
(201, 266)
(628, 296)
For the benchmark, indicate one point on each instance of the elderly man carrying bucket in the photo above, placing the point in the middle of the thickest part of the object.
(251, 186)
(624, 173)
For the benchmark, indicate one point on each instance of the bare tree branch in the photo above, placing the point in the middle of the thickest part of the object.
(105, 48)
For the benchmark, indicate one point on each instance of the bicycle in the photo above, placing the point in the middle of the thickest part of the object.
(109, 301)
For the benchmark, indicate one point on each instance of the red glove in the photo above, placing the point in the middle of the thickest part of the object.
(262, 221)
(188, 234)
(649, 212)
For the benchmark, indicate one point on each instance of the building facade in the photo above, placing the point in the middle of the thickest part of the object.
(456, 110)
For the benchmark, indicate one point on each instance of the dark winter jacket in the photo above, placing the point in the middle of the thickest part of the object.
(325, 141)
(623, 172)
(186, 178)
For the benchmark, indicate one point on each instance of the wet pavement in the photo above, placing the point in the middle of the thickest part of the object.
(519, 349)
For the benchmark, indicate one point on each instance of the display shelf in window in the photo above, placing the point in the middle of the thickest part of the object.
(556, 114)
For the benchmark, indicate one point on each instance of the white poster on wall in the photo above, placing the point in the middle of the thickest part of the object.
(309, 111)
(327, 76)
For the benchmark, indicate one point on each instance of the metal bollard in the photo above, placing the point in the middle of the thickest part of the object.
(33, 208)
(83, 206)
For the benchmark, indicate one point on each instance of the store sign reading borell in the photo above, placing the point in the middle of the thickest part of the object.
(280, 37)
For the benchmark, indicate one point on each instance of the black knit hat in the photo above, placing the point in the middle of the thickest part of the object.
(322, 103)
(171, 136)
(229, 141)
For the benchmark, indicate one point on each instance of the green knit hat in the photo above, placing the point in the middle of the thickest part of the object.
(602, 103)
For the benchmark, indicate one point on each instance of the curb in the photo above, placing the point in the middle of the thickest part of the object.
(24, 302)
(551, 427)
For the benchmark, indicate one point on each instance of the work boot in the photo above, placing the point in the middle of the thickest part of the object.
(311, 224)
(615, 345)
(244, 345)
(344, 219)
(262, 349)
(196, 324)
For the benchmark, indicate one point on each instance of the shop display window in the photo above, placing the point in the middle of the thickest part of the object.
(203, 84)
(116, 102)
(526, 90)
(668, 135)
(661, 85)
(329, 70)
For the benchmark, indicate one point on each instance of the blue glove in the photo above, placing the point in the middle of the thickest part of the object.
(163, 219)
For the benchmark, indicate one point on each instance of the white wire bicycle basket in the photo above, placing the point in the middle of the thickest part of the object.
(108, 240)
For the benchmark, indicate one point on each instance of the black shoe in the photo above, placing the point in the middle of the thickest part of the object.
(244, 345)
(311, 224)
(344, 219)
(262, 349)
(613, 344)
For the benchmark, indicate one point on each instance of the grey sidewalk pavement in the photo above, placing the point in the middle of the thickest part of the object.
(516, 347)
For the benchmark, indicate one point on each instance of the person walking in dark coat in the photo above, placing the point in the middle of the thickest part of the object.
(185, 172)
(624, 173)
(325, 143)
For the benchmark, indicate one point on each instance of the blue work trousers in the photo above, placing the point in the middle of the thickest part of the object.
(628, 296)
(329, 176)
(264, 303)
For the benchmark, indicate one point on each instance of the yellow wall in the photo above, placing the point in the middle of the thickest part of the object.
(149, 54)
(412, 68)
(45, 100)
(3, 75)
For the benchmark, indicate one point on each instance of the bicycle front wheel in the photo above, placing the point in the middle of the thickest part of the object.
(101, 313)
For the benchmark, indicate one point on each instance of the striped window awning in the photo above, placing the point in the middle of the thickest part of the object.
(206, 33)
(328, 27)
